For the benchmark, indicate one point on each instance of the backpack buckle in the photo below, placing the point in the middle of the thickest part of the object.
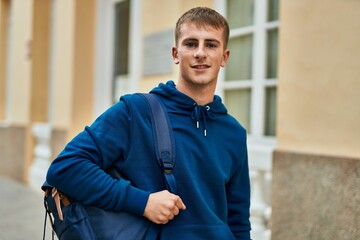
(167, 164)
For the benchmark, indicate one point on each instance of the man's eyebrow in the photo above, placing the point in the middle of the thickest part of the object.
(206, 40)
(190, 39)
(212, 40)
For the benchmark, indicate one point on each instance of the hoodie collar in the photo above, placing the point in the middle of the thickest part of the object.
(180, 103)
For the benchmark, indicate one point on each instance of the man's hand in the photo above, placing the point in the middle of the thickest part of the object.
(163, 206)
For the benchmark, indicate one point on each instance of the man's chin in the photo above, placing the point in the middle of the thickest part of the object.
(201, 82)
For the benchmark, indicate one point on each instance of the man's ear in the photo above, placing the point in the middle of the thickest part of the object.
(175, 55)
(226, 56)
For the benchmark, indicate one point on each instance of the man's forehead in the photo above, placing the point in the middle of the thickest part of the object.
(199, 26)
(193, 30)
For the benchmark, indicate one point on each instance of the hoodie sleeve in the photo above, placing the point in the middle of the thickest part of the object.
(238, 197)
(78, 170)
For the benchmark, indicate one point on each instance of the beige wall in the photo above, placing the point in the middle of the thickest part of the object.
(187, 4)
(63, 57)
(40, 56)
(319, 72)
(161, 17)
(19, 92)
(83, 78)
(72, 96)
(68, 105)
(316, 164)
(20, 71)
(4, 14)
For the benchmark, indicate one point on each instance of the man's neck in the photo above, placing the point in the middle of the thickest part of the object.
(201, 94)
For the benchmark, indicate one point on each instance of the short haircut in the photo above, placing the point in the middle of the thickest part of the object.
(202, 17)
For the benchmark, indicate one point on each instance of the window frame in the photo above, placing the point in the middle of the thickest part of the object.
(260, 146)
(104, 62)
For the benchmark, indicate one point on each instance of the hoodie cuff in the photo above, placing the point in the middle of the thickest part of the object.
(136, 201)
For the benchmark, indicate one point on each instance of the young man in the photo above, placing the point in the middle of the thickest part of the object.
(211, 170)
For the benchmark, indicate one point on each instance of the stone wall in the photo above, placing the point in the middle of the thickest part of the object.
(17, 150)
(12, 151)
(315, 197)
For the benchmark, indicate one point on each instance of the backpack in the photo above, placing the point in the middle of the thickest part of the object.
(73, 220)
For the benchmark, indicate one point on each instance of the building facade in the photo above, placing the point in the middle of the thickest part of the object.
(292, 81)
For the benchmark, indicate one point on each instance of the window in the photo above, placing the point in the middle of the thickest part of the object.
(121, 48)
(248, 84)
(118, 51)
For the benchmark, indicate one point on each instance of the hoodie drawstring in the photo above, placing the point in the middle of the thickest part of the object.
(203, 113)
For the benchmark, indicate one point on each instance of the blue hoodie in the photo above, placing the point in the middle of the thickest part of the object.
(211, 167)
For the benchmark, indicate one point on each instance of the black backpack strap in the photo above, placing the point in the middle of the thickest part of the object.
(163, 138)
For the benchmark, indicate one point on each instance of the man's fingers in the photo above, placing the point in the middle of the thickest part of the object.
(179, 203)
(163, 206)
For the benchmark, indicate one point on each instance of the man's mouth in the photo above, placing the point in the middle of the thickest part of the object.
(200, 66)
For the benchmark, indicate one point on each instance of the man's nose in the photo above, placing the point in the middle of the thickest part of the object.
(200, 52)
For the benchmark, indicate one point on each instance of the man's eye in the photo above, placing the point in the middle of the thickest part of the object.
(211, 45)
(190, 44)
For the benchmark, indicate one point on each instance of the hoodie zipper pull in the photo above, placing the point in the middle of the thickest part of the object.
(197, 124)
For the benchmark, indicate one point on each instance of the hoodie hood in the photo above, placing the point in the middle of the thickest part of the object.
(180, 103)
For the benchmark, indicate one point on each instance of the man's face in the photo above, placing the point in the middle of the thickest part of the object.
(200, 53)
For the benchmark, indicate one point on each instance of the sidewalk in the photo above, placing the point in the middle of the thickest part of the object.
(21, 212)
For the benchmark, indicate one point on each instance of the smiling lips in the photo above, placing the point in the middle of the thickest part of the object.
(200, 66)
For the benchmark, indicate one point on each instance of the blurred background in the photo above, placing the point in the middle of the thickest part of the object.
(293, 80)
